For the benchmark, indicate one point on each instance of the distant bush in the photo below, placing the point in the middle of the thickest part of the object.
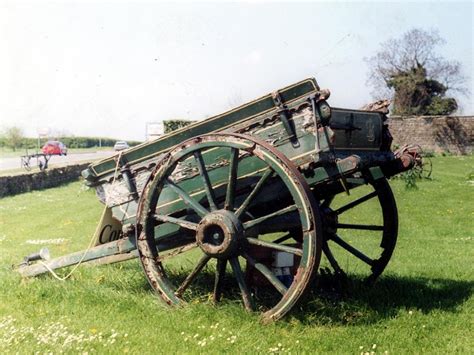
(89, 142)
(173, 125)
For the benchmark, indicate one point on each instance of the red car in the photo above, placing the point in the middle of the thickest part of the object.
(54, 148)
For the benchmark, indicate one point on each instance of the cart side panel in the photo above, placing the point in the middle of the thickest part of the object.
(267, 128)
(220, 122)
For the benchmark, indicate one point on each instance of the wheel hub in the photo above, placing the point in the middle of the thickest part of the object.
(219, 234)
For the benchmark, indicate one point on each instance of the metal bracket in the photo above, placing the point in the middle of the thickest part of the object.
(348, 164)
(376, 173)
(317, 119)
(348, 126)
(128, 178)
(342, 178)
(285, 115)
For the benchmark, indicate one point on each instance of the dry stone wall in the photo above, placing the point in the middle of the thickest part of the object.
(439, 134)
(12, 185)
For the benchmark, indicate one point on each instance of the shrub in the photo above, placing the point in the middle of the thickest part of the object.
(173, 125)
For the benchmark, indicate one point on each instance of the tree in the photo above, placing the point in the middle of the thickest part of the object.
(13, 137)
(408, 70)
(173, 125)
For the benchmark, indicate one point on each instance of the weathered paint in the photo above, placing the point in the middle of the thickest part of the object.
(257, 107)
(239, 173)
(233, 240)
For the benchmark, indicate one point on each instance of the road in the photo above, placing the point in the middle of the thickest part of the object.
(15, 163)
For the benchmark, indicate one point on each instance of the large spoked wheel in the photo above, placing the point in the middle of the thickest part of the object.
(360, 230)
(229, 200)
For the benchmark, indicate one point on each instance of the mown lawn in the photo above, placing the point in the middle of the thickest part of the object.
(423, 302)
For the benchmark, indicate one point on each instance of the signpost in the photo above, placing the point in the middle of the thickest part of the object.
(43, 132)
(154, 130)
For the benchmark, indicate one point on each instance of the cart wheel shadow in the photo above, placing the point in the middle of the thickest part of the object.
(351, 301)
(336, 301)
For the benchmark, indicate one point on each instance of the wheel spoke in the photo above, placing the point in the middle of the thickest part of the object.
(220, 273)
(359, 226)
(281, 247)
(282, 239)
(356, 202)
(254, 193)
(196, 206)
(265, 271)
(190, 278)
(338, 240)
(177, 251)
(180, 222)
(205, 178)
(331, 258)
(327, 202)
(208, 202)
(246, 296)
(259, 220)
(233, 166)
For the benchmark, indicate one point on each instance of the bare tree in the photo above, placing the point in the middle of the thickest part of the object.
(13, 137)
(414, 51)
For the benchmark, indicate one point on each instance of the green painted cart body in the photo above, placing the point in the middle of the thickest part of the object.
(246, 203)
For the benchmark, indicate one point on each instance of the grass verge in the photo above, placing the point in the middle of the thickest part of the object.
(422, 303)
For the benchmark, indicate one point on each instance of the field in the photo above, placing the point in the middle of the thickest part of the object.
(423, 303)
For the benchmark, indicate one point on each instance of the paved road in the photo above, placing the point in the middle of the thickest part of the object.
(15, 163)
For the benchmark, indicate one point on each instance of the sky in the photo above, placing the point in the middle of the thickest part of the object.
(102, 68)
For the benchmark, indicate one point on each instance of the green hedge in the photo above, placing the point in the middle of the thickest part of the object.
(89, 142)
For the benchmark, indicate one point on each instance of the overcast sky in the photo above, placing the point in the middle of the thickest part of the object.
(105, 69)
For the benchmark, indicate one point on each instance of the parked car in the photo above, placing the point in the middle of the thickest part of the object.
(120, 145)
(54, 148)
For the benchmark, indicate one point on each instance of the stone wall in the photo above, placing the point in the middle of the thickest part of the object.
(433, 133)
(12, 185)
(439, 134)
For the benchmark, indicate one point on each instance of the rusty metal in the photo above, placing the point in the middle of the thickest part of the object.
(221, 234)
(215, 192)
(285, 117)
(379, 105)
(406, 158)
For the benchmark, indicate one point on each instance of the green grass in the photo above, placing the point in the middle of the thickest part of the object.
(422, 303)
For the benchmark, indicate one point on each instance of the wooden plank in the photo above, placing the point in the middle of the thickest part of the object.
(254, 108)
(121, 246)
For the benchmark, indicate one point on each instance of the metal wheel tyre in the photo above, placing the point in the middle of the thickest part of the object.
(360, 231)
(218, 200)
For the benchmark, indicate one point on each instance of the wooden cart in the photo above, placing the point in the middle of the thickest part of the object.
(254, 195)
